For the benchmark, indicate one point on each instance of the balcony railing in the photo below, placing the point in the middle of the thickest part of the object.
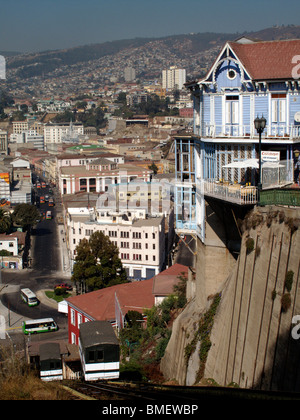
(289, 132)
(234, 193)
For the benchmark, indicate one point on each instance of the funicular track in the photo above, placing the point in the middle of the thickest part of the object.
(171, 394)
(142, 392)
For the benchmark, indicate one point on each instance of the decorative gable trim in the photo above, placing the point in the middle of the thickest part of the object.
(227, 53)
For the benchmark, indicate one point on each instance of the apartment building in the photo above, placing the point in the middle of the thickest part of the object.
(30, 136)
(140, 239)
(20, 126)
(129, 74)
(173, 78)
(58, 133)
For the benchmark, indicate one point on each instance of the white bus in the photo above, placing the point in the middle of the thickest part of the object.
(34, 326)
(29, 297)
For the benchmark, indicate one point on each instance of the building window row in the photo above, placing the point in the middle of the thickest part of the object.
(125, 256)
(124, 244)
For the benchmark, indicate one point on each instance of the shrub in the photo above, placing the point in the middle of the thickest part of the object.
(293, 224)
(162, 345)
(274, 294)
(131, 371)
(289, 280)
(285, 302)
(60, 291)
(249, 245)
(281, 217)
(256, 220)
(269, 220)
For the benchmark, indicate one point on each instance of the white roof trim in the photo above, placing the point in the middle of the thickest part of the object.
(218, 60)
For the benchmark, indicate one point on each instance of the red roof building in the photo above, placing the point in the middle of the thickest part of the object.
(112, 303)
(268, 60)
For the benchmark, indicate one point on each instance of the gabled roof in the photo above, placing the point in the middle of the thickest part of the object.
(261, 60)
(267, 60)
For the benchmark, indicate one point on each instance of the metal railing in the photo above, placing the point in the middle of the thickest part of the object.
(235, 130)
(285, 197)
(234, 193)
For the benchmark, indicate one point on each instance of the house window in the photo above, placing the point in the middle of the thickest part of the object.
(231, 74)
(72, 317)
(232, 109)
(278, 108)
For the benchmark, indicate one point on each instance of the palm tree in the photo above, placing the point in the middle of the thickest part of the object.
(5, 221)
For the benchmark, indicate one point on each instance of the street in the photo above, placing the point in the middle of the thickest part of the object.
(45, 272)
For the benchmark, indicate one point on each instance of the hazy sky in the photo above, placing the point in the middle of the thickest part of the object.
(38, 25)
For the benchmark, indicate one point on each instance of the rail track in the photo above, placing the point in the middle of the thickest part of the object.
(130, 391)
(168, 394)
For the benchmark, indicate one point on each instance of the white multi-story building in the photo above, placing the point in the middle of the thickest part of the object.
(58, 133)
(173, 78)
(129, 74)
(29, 136)
(140, 239)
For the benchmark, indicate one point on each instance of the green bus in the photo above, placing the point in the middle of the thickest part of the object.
(29, 297)
(34, 326)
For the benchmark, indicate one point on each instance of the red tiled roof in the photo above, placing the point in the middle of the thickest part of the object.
(100, 304)
(137, 296)
(164, 282)
(269, 59)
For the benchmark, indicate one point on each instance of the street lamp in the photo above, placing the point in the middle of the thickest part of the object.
(260, 124)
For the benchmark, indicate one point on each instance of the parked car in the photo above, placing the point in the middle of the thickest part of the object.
(63, 286)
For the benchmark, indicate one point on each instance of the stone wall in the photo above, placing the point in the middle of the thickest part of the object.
(251, 341)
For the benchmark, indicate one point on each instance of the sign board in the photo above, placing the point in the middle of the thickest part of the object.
(269, 156)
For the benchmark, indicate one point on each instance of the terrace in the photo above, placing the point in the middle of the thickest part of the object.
(273, 175)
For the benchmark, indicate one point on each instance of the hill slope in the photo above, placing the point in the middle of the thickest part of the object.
(176, 48)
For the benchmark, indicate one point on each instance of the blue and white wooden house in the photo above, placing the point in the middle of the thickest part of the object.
(248, 79)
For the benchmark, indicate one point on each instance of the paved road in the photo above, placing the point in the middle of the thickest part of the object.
(49, 267)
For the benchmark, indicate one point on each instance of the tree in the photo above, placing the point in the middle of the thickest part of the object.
(5, 221)
(153, 168)
(97, 263)
(25, 215)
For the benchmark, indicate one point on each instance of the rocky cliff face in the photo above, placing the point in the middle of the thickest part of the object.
(244, 336)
